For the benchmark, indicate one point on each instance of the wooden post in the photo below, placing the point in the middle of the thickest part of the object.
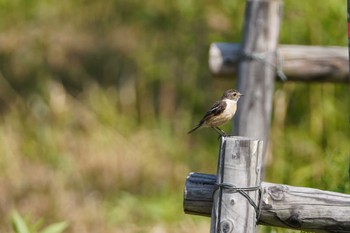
(238, 167)
(305, 209)
(256, 76)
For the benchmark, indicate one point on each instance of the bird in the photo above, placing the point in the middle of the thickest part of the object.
(220, 112)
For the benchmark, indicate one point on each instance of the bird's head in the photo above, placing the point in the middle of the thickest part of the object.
(231, 94)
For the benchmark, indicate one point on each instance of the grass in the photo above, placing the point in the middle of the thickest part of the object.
(67, 159)
(26, 225)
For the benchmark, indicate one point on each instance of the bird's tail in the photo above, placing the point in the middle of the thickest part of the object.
(199, 125)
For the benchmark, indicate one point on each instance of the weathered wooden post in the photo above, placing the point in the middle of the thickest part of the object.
(236, 198)
(257, 71)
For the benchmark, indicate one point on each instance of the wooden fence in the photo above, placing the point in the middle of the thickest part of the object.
(235, 198)
(286, 206)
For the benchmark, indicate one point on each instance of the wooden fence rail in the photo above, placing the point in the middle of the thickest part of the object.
(298, 62)
(285, 206)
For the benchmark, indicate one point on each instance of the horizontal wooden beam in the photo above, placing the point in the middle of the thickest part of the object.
(285, 206)
(298, 62)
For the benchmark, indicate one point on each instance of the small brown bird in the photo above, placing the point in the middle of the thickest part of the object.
(221, 112)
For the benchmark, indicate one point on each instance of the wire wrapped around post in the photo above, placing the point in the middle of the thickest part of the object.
(243, 191)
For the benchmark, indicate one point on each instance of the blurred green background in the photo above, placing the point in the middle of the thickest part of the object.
(97, 96)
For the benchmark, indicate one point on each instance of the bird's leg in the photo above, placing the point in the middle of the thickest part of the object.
(222, 133)
(219, 131)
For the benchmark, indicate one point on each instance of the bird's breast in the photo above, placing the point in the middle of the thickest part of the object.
(230, 109)
(225, 116)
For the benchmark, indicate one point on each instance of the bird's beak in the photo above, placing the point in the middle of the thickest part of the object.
(241, 95)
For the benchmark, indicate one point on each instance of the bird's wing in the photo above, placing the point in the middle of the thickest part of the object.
(217, 108)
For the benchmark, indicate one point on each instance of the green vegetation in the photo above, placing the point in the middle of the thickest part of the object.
(97, 96)
(22, 225)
